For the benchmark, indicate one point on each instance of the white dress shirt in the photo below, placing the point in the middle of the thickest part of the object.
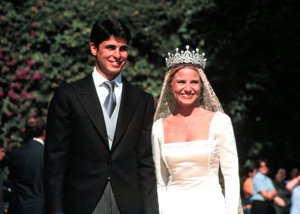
(102, 93)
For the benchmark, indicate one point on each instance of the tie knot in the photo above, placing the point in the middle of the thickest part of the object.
(110, 85)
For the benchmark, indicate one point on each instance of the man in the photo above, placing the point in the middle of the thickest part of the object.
(98, 156)
(25, 166)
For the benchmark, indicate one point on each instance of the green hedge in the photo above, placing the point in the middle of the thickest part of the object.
(46, 43)
(251, 46)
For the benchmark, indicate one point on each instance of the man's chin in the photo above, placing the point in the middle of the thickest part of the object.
(115, 71)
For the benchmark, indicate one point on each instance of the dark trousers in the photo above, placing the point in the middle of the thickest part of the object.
(262, 207)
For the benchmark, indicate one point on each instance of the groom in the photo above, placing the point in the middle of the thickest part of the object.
(98, 156)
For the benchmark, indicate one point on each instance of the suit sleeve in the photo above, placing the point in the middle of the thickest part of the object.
(56, 151)
(146, 165)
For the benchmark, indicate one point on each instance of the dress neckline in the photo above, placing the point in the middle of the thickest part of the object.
(186, 142)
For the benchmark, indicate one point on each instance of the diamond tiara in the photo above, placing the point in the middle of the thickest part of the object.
(186, 57)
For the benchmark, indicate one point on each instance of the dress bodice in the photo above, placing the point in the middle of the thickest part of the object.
(187, 162)
(187, 172)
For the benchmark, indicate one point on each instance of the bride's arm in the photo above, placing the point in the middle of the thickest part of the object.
(162, 173)
(229, 163)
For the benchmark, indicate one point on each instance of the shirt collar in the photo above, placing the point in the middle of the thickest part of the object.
(99, 79)
(38, 140)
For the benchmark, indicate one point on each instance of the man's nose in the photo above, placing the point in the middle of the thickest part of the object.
(117, 53)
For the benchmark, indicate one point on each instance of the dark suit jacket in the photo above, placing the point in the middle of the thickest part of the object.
(78, 162)
(2, 205)
(26, 173)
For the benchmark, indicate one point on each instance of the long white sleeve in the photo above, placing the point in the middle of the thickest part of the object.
(227, 150)
(162, 172)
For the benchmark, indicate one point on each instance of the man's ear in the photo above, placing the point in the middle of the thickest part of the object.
(93, 49)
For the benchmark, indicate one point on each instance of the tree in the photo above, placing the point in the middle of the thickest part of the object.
(251, 46)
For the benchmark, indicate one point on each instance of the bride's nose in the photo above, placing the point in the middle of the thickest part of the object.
(187, 87)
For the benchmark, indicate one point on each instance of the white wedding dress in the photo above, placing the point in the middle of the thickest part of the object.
(187, 172)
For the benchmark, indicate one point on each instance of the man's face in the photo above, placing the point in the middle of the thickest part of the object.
(111, 56)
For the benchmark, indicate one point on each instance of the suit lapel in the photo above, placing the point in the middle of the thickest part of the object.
(129, 100)
(86, 91)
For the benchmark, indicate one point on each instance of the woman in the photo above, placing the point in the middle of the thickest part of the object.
(264, 191)
(247, 188)
(192, 140)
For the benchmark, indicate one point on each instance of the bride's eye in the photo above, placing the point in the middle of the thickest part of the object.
(181, 81)
(195, 82)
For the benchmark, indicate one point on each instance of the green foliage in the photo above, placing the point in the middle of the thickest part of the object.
(24, 86)
(251, 48)
(46, 43)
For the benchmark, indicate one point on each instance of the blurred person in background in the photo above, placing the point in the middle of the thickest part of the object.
(25, 166)
(282, 200)
(264, 191)
(247, 187)
(294, 172)
(293, 186)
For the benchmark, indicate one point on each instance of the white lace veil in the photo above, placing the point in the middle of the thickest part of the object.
(208, 98)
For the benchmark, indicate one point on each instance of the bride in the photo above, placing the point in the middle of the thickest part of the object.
(193, 141)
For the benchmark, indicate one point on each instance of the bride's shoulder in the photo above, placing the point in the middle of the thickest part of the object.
(221, 118)
(157, 129)
(157, 123)
(221, 115)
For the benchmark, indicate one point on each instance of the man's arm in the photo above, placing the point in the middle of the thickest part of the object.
(146, 164)
(56, 152)
(292, 183)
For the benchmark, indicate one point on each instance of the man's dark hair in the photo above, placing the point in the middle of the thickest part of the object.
(34, 127)
(103, 29)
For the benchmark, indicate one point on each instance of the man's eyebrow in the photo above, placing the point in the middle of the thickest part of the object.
(110, 46)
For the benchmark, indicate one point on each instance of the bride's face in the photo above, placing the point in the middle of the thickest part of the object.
(185, 87)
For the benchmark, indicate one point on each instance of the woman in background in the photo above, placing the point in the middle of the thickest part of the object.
(264, 191)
